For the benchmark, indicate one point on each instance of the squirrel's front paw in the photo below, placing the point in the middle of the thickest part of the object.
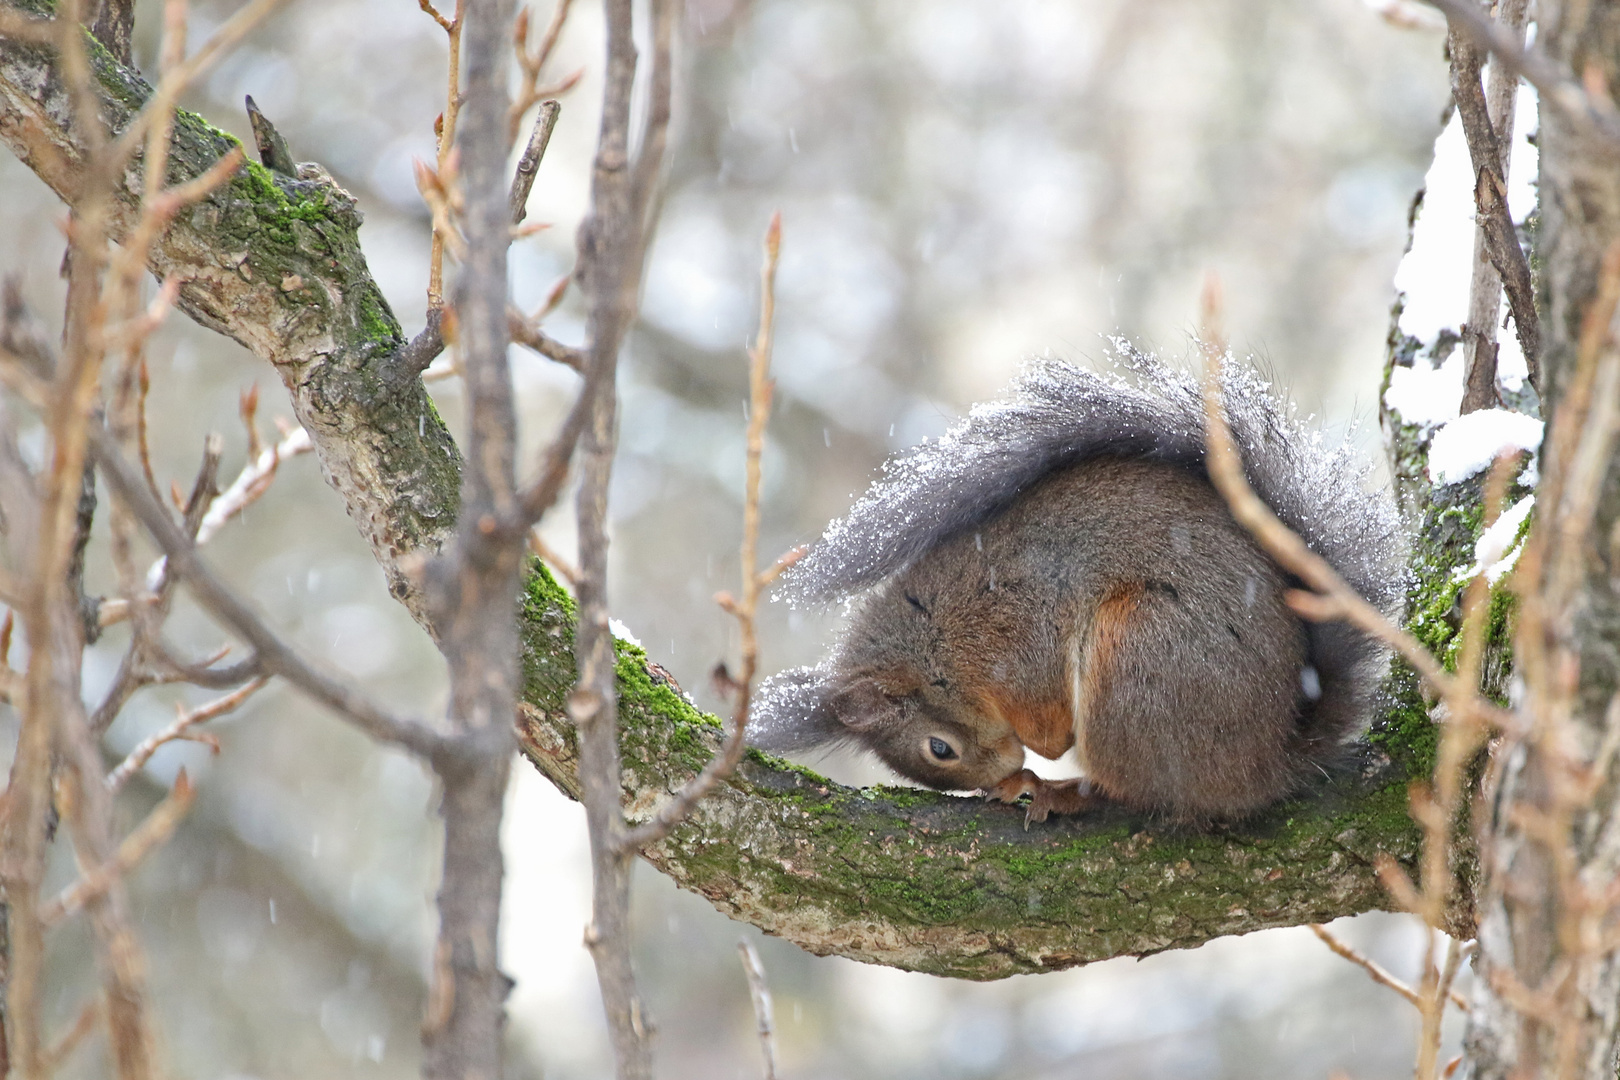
(1021, 783)
(1047, 797)
(1059, 797)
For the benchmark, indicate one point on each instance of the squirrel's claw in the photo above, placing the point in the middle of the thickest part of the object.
(1021, 783)
(1047, 797)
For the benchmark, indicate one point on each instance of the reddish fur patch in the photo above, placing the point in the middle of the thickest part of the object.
(1109, 625)
(1044, 726)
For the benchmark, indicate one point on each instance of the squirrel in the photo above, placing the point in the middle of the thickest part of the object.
(1058, 571)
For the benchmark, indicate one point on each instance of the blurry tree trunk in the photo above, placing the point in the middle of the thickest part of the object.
(1548, 1000)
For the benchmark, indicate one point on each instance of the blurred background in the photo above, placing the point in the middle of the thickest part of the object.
(963, 185)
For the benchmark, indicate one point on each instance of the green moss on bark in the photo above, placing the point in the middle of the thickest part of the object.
(951, 885)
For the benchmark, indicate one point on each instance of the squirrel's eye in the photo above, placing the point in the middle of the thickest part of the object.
(941, 749)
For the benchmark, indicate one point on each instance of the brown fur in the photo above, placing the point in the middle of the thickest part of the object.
(1058, 571)
(1187, 699)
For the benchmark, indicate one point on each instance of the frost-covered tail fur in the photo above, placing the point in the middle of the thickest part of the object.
(996, 467)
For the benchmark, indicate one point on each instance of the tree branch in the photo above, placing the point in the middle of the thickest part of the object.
(1550, 78)
(273, 262)
(471, 589)
(1499, 262)
(529, 164)
(273, 655)
(954, 886)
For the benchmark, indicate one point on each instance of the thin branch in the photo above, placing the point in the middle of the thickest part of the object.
(646, 181)
(415, 355)
(526, 333)
(432, 12)
(783, 562)
(538, 497)
(529, 88)
(160, 105)
(156, 828)
(760, 388)
(1551, 80)
(1334, 598)
(542, 550)
(168, 669)
(529, 164)
(275, 656)
(274, 154)
(63, 1047)
(612, 246)
(180, 729)
(1502, 241)
(251, 483)
(1499, 262)
(764, 1017)
(445, 132)
(1375, 970)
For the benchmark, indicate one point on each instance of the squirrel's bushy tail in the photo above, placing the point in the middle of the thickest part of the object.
(1058, 414)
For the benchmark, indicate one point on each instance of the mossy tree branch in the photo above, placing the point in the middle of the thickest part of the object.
(952, 886)
(274, 263)
(912, 879)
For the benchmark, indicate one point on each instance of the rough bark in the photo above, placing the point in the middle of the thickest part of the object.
(913, 879)
(1526, 915)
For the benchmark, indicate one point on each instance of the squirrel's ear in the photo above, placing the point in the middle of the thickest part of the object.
(860, 704)
(792, 711)
(806, 708)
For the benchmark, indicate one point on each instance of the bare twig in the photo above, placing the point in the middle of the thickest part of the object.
(763, 1013)
(180, 729)
(274, 153)
(529, 164)
(612, 245)
(433, 13)
(274, 656)
(50, 612)
(1408, 14)
(646, 184)
(526, 333)
(760, 386)
(1376, 971)
(1554, 83)
(1487, 122)
(530, 64)
(63, 1047)
(1456, 953)
(161, 104)
(565, 569)
(1467, 715)
(783, 562)
(445, 132)
(421, 350)
(156, 828)
(146, 647)
(251, 483)
(1334, 598)
(471, 590)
